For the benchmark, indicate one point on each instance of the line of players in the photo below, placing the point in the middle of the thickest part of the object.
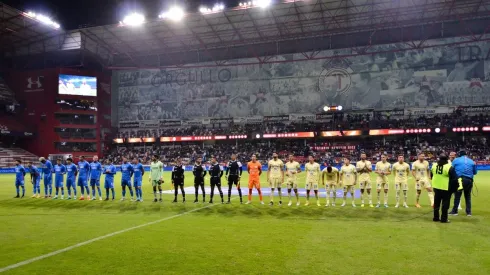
(346, 178)
(332, 178)
(88, 173)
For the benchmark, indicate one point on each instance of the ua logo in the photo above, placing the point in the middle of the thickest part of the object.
(35, 83)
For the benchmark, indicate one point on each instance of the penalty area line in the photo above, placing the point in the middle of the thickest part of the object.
(35, 259)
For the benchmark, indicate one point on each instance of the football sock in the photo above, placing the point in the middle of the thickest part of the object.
(271, 195)
(249, 194)
(113, 193)
(280, 194)
(17, 188)
(23, 191)
(397, 197)
(240, 193)
(131, 191)
(107, 193)
(431, 198)
(260, 194)
(405, 196)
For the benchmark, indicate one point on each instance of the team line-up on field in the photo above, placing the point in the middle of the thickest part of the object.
(278, 173)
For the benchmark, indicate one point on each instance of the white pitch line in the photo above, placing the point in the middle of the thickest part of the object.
(35, 259)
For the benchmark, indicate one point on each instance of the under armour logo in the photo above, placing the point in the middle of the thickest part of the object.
(37, 84)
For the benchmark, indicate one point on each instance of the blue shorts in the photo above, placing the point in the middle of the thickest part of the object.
(58, 183)
(70, 182)
(19, 183)
(94, 182)
(37, 182)
(82, 182)
(137, 183)
(48, 181)
(126, 183)
(108, 184)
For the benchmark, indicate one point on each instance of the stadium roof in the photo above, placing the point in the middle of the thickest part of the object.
(286, 27)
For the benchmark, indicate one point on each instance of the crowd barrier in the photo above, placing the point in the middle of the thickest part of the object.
(480, 167)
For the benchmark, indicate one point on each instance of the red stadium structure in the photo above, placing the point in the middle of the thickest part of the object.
(34, 55)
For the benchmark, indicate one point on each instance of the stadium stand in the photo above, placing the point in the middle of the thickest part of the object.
(8, 155)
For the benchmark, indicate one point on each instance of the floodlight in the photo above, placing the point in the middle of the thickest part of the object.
(43, 19)
(134, 19)
(262, 3)
(326, 108)
(174, 13)
(339, 108)
(438, 130)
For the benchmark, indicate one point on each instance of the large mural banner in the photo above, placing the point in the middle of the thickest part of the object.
(394, 79)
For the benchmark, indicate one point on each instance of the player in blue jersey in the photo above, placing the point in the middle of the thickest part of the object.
(59, 172)
(47, 171)
(20, 173)
(83, 175)
(95, 172)
(35, 180)
(139, 171)
(71, 178)
(127, 172)
(109, 171)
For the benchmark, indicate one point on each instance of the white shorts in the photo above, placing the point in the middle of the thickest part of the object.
(422, 183)
(401, 186)
(312, 185)
(292, 184)
(275, 183)
(348, 188)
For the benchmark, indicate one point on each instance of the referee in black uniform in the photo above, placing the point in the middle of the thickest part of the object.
(178, 179)
(234, 173)
(199, 174)
(216, 173)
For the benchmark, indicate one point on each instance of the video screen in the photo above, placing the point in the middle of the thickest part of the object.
(77, 85)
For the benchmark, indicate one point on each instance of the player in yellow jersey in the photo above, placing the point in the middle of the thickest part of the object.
(275, 175)
(330, 178)
(383, 169)
(292, 169)
(364, 169)
(420, 171)
(312, 170)
(348, 176)
(401, 170)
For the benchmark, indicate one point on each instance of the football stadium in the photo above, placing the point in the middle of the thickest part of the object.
(245, 137)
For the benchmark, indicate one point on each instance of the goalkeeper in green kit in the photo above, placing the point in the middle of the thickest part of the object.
(156, 176)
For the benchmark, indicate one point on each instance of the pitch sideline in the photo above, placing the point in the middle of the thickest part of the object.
(35, 259)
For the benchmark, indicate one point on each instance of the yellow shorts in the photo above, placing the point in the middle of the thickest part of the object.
(312, 186)
(401, 186)
(365, 183)
(331, 184)
(348, 188)
(422, 183)
(382, 185)
(275, 182)
(292, 183)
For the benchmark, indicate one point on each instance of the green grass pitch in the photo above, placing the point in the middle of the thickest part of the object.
(239, 239)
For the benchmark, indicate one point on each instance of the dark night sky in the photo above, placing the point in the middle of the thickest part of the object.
(70, 14)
